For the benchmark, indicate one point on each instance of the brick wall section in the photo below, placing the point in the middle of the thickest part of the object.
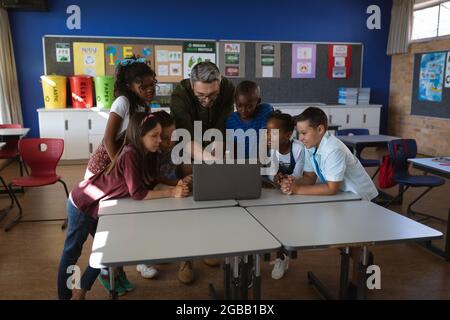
(431, 134)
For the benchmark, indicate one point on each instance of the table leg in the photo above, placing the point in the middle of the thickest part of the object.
(112, 284)
(257, 281)
(343, 284)
(235, 285)
(244, 277)
(362, 275)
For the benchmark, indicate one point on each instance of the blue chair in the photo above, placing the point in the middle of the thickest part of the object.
(364, 162)
(400, 151)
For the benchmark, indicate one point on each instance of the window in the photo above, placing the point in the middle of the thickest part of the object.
(431, 19)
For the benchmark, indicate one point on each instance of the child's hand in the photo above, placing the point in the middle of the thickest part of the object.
(181, 190)
(286, 186)
(278, 178)
(187, 179)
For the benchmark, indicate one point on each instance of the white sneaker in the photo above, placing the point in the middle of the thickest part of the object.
(147, 272)
(280, 267)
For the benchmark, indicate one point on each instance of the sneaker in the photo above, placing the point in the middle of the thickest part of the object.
(185, 272)
(147, 272)
(212, 262)
(280, 267)
(124, 282)
(104, 280)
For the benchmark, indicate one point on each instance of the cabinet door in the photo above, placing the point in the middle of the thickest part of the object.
(355, 118)
(371, 117)
(94, 142)
(51, 124)
(338, 116)
(97, 122)
(76, 136)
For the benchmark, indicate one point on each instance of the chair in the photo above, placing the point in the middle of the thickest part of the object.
(364, 162)
(10, 150)
(42, 156)
(400, 150)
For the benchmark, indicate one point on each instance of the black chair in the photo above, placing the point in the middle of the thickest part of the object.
(400, 151)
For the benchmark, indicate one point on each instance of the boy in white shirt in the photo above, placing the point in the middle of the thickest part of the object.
(329, 161)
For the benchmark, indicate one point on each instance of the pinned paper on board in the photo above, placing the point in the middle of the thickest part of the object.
(196, 52)
(447, 71)
(268, 60)
(63, 52)
(303, 60)
(169, 63)
(115, 52)
(89, 58)
(232, 59)
(339, 61)
(431, 76)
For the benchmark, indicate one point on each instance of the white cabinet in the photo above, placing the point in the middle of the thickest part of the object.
(94, 141)
(97, 121)
(72, 127)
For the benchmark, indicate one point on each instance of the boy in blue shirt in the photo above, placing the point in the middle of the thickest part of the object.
(250, 114)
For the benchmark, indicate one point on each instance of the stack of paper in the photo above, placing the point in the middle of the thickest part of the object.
(348, 96)
(364, 96)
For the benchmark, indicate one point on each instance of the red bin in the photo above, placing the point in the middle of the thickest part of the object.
(82, 91)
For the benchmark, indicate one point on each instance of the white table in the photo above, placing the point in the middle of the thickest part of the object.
(340, 224)
(170, 236)
(432, 165)
(361, 141)
(128, 205)
(14, 132)
(270, 197)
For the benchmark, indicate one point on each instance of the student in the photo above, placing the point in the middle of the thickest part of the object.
(134, 89)
(330, 161)
(167, 174)
(290, 157)
(250, 114)
(131, 174)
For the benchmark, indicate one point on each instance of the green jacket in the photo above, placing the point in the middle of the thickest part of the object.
(186, 108)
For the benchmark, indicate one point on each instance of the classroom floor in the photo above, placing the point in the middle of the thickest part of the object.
(30, 252)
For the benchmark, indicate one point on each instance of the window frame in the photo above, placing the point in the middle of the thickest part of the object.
(430, 4)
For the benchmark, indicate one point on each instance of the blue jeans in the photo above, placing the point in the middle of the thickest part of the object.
(79, 226)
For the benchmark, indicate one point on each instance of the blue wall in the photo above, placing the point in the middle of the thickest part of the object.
(288, 20)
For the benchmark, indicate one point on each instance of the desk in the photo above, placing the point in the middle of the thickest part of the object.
(339, 224)
(361, 141)
(128, 205)
(10, 133)
(428, 165)
(170, 236)
(270, 197)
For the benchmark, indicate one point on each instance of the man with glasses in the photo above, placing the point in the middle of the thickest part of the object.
(205, 97)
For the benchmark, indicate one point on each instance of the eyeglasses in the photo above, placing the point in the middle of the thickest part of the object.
(212, 96)
(150, 87)
(126, 62)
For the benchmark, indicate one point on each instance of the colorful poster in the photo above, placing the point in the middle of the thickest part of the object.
(303, 60)
(169, 63)
(339, 61)
(114, 52)
(232, 59)
(447, 71)
(196, 52)
(267, 60)
(431, 76)
(63, 52)
(89, 58)
(164, 89)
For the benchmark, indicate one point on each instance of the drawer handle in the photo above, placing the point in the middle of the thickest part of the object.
(90, 124)
(348, 118)
(331, 118)
(90, 147)
(364, 118)
(66, 124)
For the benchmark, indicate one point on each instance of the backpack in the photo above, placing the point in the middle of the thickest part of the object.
(386, 175)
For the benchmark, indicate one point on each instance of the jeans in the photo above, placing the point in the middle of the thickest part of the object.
(79, 226)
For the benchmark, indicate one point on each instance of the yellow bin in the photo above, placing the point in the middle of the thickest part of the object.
(54, 89)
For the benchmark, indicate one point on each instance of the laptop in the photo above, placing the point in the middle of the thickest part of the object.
(226, 181)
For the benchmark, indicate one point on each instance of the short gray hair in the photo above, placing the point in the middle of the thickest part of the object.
(205, 72)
